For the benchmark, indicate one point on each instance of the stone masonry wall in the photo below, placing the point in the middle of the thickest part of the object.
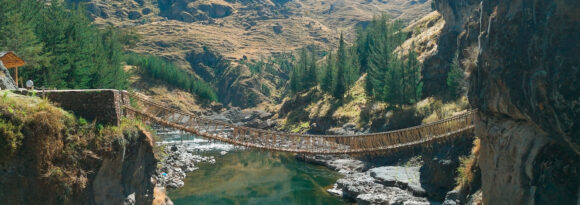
(102, 106)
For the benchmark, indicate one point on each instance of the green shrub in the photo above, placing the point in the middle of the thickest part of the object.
(467, 170)
(5, 96)
(266, 90)
(82, 121)
(10, 139)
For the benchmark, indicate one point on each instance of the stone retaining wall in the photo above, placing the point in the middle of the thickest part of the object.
(102, 105)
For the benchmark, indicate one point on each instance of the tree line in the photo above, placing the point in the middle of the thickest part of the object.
(390, 78)
(161, 69)
(335, 76)
(62, 47)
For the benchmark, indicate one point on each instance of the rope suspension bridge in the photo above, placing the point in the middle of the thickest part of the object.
(156, 113)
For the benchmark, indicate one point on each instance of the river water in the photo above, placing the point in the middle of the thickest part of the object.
(255, 177)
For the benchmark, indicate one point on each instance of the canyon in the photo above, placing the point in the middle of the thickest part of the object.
(520, 60)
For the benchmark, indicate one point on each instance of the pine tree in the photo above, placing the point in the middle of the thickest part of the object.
(342, 63)
(17, 34)
(392, 86)
(353, 71)
(328, 80)
(61, 46)
(110, 74)
(363, 49)
(380, 57)
(455, 79)
(311, 77)
(295, 81)
(414, 84)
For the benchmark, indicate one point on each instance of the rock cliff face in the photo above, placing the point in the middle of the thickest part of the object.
(120, 174)
(125, 178)
(521, 58)
(237, 87)
(191, 10)
(6, 82)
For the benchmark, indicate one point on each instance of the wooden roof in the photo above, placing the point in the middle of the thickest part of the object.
(10, 60)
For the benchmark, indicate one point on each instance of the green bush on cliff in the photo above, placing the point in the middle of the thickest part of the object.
(455, 80)
(468, 172)
(10, 139)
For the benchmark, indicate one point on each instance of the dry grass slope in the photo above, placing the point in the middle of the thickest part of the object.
(250, 29)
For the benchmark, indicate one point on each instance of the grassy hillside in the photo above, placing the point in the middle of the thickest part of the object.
(318, 112)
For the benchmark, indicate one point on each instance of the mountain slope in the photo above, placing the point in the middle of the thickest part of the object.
(210, 37)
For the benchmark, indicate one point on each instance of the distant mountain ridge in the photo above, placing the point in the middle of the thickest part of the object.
(235, 28)
(210, 37)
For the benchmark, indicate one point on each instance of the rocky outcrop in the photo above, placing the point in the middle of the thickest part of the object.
(235, 83)
(436, 67)
(6, 81)
(256, 119)
(522, 63)
(192, 10)
(237, 87)
(365, 189)
(206, 63)
(125, 178)
(128, 11)
(380, 185)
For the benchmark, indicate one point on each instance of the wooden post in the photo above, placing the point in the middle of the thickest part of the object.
(16, 76)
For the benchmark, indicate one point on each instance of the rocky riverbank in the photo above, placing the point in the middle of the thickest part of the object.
(399, 178)
(185, 157)
(380, 185)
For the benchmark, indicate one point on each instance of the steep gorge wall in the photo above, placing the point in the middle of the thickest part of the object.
(48, 156)
(121, 175)
(522, 64)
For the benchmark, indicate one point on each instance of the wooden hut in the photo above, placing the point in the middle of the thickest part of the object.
(12, 61)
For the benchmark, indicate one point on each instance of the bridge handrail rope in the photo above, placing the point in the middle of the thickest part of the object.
(460, 116)
(303, 143)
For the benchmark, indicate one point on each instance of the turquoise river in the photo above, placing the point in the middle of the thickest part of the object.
(254, 177)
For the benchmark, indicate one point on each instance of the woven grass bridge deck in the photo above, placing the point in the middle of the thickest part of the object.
(153, 112)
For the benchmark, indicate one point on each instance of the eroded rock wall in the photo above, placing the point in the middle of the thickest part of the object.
(120, 175)
(125, 178)
(521, 58)
(6, 81)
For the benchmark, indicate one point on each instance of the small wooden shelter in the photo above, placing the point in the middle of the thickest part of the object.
(11, 60)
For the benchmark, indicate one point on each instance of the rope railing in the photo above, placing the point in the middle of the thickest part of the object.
(149, 110)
